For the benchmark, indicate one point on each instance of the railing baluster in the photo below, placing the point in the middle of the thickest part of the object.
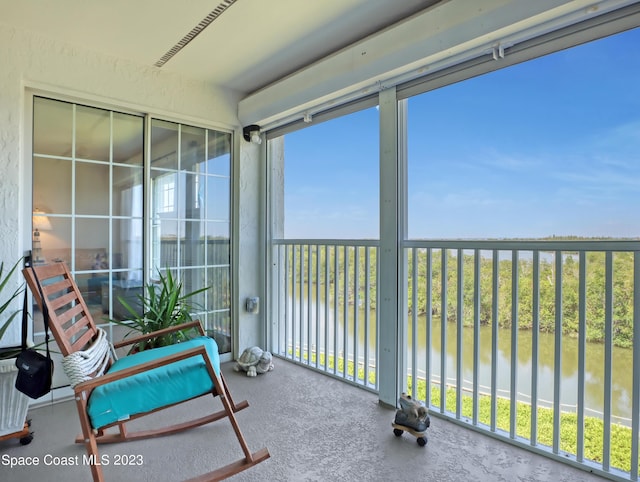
(301, 303)
(377, 354)
(336, 323)
(327, 309)
(513, 410)
(582, 344)
(288, 312)
(317, 303)
(282, 303)
(443, 332)
(414, 323)
(608, 343)
(459, 315)
(495, 283)
(476, 332)
(535, 349)
(429, 321)
(356, 311)
(309, 302)
(367, 312)
(345, 314)
(557, 358)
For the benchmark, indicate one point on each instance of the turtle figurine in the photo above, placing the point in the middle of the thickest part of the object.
(254, 360)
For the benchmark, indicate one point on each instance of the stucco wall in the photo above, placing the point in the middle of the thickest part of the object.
(249, 244)
(30, 62)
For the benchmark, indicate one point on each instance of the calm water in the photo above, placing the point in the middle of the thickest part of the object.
(594, 368)
(594, 364)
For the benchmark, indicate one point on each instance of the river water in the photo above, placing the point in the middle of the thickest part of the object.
(621, 374)
(622, 383)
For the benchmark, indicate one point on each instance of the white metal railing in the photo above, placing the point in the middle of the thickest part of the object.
(533, 342)
(326, 306)
(472, 303)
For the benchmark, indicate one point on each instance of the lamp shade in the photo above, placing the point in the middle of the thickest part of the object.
(41, 221)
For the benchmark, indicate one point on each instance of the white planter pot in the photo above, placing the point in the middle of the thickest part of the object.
(13, 404)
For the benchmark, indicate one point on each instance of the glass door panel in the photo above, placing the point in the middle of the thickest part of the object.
(92, 205)
(191, 186)
(88, 198)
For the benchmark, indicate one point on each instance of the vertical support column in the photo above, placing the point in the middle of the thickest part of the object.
(249, 241)
(390, 279)
(275, 302)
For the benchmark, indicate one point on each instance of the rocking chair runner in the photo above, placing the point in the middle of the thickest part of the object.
(110, 392)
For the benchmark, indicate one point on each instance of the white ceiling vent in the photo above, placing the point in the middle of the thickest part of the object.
(195, 31)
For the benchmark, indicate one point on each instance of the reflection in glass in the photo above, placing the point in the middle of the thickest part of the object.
(93, 133)
(101, 243)
(218, 244)
(127, 243)
(92, 233)
(219, 328)
(192, 186)
(92, 188)
(164, 188)
(52, 185)
(128, 143)
(193, 280)
(219, 281)
(193, 247)
(127, 191)
(190, 225)
(218, 197)
(165, 244)
(52, 127)
(192, 148)
(219, 150)
(164, 144)
(55, 243)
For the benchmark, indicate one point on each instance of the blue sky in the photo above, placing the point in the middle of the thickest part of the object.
(551, 146)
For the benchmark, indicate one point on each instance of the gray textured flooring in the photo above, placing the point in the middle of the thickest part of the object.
(315, 427)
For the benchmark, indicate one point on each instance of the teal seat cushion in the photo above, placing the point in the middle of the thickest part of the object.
(153, 389)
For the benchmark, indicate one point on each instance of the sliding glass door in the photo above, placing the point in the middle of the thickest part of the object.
(190, 217)
(90, 189)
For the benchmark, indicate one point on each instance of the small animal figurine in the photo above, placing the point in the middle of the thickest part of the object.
(254, 360)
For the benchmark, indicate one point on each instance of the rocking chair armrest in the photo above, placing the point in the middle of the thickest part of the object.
(140, 338)
(89, 385)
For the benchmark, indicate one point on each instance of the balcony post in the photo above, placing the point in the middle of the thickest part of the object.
(390, 292)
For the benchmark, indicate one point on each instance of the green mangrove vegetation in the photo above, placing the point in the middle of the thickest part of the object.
(305, 262)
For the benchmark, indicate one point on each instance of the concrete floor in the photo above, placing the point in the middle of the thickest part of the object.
(315, 427)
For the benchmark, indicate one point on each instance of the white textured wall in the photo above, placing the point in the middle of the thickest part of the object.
(30, 61)
(250, 244)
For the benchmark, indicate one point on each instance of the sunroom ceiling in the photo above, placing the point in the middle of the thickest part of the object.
(250, 44)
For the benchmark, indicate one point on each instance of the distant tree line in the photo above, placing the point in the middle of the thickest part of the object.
(594, 303)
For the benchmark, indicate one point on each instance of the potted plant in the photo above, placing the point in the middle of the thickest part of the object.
(6, 353)
(13, 409)
(163, 306)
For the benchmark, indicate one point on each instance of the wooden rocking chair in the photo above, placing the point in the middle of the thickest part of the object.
(110, 392)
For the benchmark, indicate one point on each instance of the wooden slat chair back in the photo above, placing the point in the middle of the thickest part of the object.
(70, 320)
(76, 334)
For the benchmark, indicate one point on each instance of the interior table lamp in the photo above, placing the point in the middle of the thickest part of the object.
(40, 223)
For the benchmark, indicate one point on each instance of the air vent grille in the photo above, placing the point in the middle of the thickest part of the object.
(195, 31)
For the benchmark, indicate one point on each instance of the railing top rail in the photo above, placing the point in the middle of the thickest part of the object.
(526, 245)
(328, 242)
(483, 244)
